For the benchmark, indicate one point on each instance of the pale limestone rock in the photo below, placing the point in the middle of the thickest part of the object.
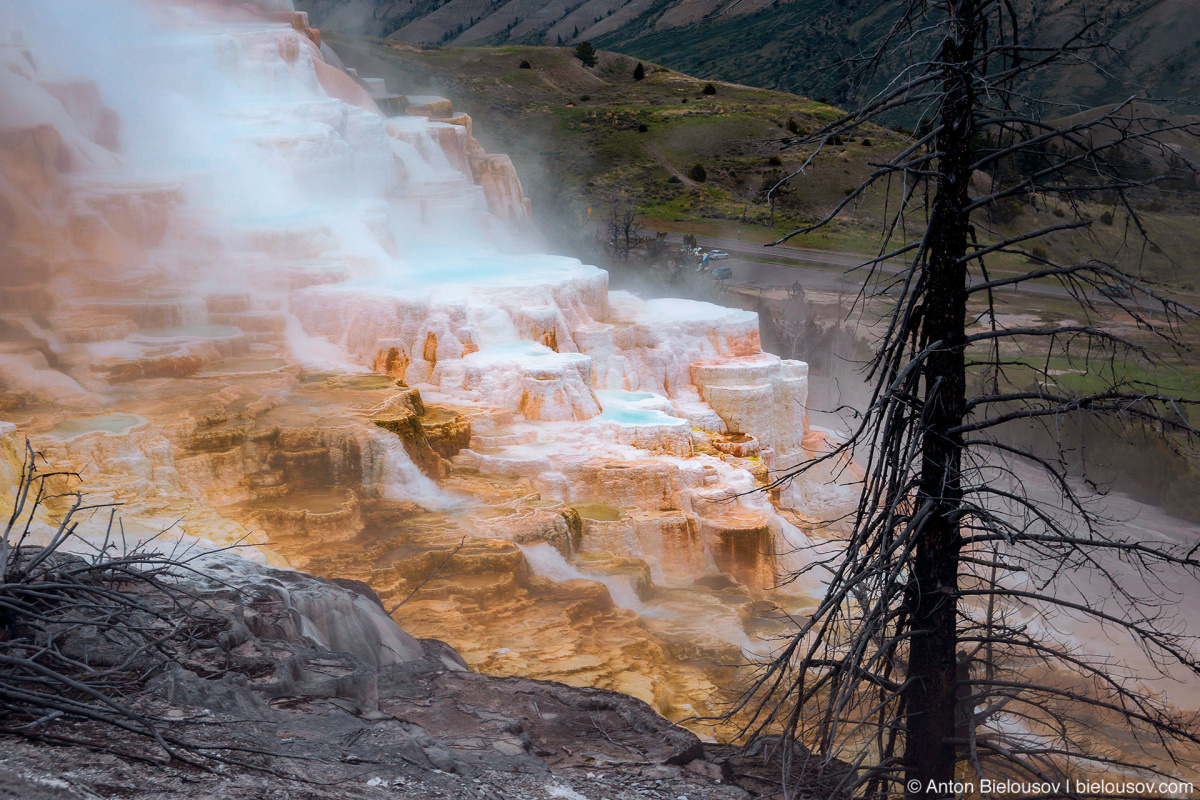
(506, 199)
(429, 105)
(258, 324)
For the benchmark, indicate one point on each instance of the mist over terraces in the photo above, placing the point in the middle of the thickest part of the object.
(344, 455)
(265, 306)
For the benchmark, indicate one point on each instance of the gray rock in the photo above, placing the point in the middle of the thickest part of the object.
(322, 696)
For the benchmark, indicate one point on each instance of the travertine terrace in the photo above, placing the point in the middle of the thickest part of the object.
(256, 298)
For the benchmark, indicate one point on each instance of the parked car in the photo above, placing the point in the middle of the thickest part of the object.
(1117, 291)
(722, 274)
(717, 255)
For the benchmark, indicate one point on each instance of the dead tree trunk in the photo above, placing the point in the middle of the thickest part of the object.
(939, 551)
(930, 694)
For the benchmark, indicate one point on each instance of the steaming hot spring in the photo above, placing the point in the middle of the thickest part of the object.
(259, 299)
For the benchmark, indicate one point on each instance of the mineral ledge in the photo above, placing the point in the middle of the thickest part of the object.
(251, 306)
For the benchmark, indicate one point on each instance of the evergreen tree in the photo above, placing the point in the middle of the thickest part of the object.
(586, 53)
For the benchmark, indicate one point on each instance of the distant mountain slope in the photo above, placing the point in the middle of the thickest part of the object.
(484, 22)
(791, 45)
(1155, 47)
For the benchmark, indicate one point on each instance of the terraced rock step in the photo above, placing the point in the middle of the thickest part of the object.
(313, 327)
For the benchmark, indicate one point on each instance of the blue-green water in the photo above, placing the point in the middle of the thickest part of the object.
(106, 423)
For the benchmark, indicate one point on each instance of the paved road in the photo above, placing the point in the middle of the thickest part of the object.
(820, 270)
(763, 275)
(784, 253)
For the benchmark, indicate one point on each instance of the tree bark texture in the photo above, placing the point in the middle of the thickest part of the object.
(930, 692)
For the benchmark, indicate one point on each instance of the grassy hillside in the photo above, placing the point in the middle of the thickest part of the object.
(587, 138)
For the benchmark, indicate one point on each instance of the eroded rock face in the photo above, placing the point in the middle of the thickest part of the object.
(431, 436)
(336, 701)
(496, 174)
(334, 354)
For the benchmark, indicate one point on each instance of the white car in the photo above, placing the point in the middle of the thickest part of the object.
(717, 255)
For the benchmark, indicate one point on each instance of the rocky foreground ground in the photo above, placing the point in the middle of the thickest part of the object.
(328, 698)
